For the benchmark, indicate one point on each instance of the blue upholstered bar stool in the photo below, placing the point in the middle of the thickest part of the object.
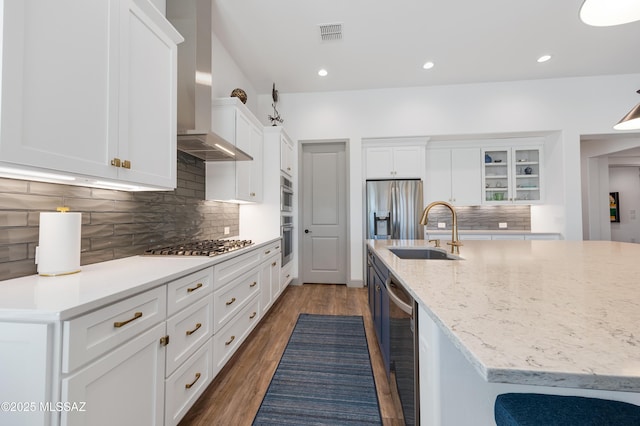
(532, 409)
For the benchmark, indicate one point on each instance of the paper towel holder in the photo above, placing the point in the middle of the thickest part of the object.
(58, 250)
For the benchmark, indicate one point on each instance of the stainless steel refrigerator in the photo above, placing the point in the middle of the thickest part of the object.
(394, 208)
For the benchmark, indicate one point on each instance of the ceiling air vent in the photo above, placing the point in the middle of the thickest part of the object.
(330, 32)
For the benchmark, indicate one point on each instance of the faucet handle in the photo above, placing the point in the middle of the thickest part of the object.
(455, 247)
(437, 241)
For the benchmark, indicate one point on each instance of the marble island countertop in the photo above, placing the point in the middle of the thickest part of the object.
(554, 313)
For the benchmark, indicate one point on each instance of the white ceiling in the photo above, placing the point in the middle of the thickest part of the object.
(385, 43)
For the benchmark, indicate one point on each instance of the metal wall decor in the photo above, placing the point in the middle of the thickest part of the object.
(275, 118)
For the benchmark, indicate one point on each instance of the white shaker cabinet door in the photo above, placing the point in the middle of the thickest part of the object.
(147, 96)
(25, 368)
(125, 387)
(58, 94)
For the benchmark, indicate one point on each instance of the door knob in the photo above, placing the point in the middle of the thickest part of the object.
(306, 231)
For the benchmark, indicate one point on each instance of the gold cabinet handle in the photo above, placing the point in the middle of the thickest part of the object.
(189, 385)
(274, 263)
(164, 340)
(126, 164)
(288, 275)
(233, 299)
(253, 315)
(119, 324)
(230, 340)
(253, 284)
(190, 332)
(116, 162)
(189, 290)
(267, 252)
(253, 194)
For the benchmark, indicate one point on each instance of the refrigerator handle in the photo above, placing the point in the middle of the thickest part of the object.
(393, 214)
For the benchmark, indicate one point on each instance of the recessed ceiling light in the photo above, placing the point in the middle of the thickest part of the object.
(322, 73)
(544, 58)
(428, 65)
(604, 13)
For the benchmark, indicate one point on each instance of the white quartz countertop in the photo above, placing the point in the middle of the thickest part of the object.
(35, 298)
(554, 313)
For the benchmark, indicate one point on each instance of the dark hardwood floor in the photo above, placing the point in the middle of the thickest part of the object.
(233, 398)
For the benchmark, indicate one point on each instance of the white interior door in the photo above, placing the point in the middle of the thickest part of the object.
(324, 213)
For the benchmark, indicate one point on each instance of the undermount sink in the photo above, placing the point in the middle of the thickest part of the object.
(431, 253)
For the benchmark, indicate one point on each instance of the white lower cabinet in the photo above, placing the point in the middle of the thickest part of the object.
(25, 360)
(270, 278)
(227, 340)
(141, 360)
(187, 383)
(124, 387)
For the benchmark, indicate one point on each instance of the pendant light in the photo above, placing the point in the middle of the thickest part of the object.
(631, 121)
(604, 13)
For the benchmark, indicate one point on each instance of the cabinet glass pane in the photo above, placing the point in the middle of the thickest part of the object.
(527, 174)
(496, 175)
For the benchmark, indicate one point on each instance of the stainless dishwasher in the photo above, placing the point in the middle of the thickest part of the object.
(403, 351)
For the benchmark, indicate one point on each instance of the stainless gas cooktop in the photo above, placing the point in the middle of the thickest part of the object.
(200, 248)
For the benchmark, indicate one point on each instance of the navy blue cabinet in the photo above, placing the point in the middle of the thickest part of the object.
(377, 275)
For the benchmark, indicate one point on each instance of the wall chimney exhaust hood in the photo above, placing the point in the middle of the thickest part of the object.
(192, 18)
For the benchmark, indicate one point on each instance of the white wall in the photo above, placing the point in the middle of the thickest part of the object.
(226, 76)
(563, 108)
(626, 181)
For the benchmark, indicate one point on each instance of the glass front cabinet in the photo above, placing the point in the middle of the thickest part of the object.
(512, 175)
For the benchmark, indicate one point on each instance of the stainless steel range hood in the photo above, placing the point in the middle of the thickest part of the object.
(192, 18)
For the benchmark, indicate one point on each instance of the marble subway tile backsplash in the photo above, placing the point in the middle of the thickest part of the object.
(115, 224)
(517, 217)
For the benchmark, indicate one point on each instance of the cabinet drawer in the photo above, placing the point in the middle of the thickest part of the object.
(270, 249)
(186, 290)
(187, 331)
(188, 382)
(90, 335)
(229, 269)
(227, 341)
(234, 296)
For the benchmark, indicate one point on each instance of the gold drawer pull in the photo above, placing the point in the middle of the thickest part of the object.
(188, 385)
(126, 164)
(253, 284)
(274, 264)
(119, 324)
(277, 247)
(253, 315)
(199, 285)
(230, 340)
(267, 252)
(233, 299)
(190, 332)
(116, 162)
(164, 340)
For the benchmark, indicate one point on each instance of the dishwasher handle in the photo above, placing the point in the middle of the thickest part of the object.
(408, 309)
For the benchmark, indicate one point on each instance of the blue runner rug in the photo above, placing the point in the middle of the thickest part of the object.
(324, 376)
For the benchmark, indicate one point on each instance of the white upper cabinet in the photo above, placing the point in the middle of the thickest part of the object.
(94, 96)
(394, 162)
(286, 155)
(453, 175)
(513, 175)
(236, 180)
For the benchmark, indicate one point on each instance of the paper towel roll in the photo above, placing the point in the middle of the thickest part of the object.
(58, 252)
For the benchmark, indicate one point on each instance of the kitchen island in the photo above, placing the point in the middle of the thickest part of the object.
(557, 317)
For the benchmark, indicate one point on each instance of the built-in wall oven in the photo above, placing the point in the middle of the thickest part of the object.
(286, 194)
(286, 218)
(287, 239)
